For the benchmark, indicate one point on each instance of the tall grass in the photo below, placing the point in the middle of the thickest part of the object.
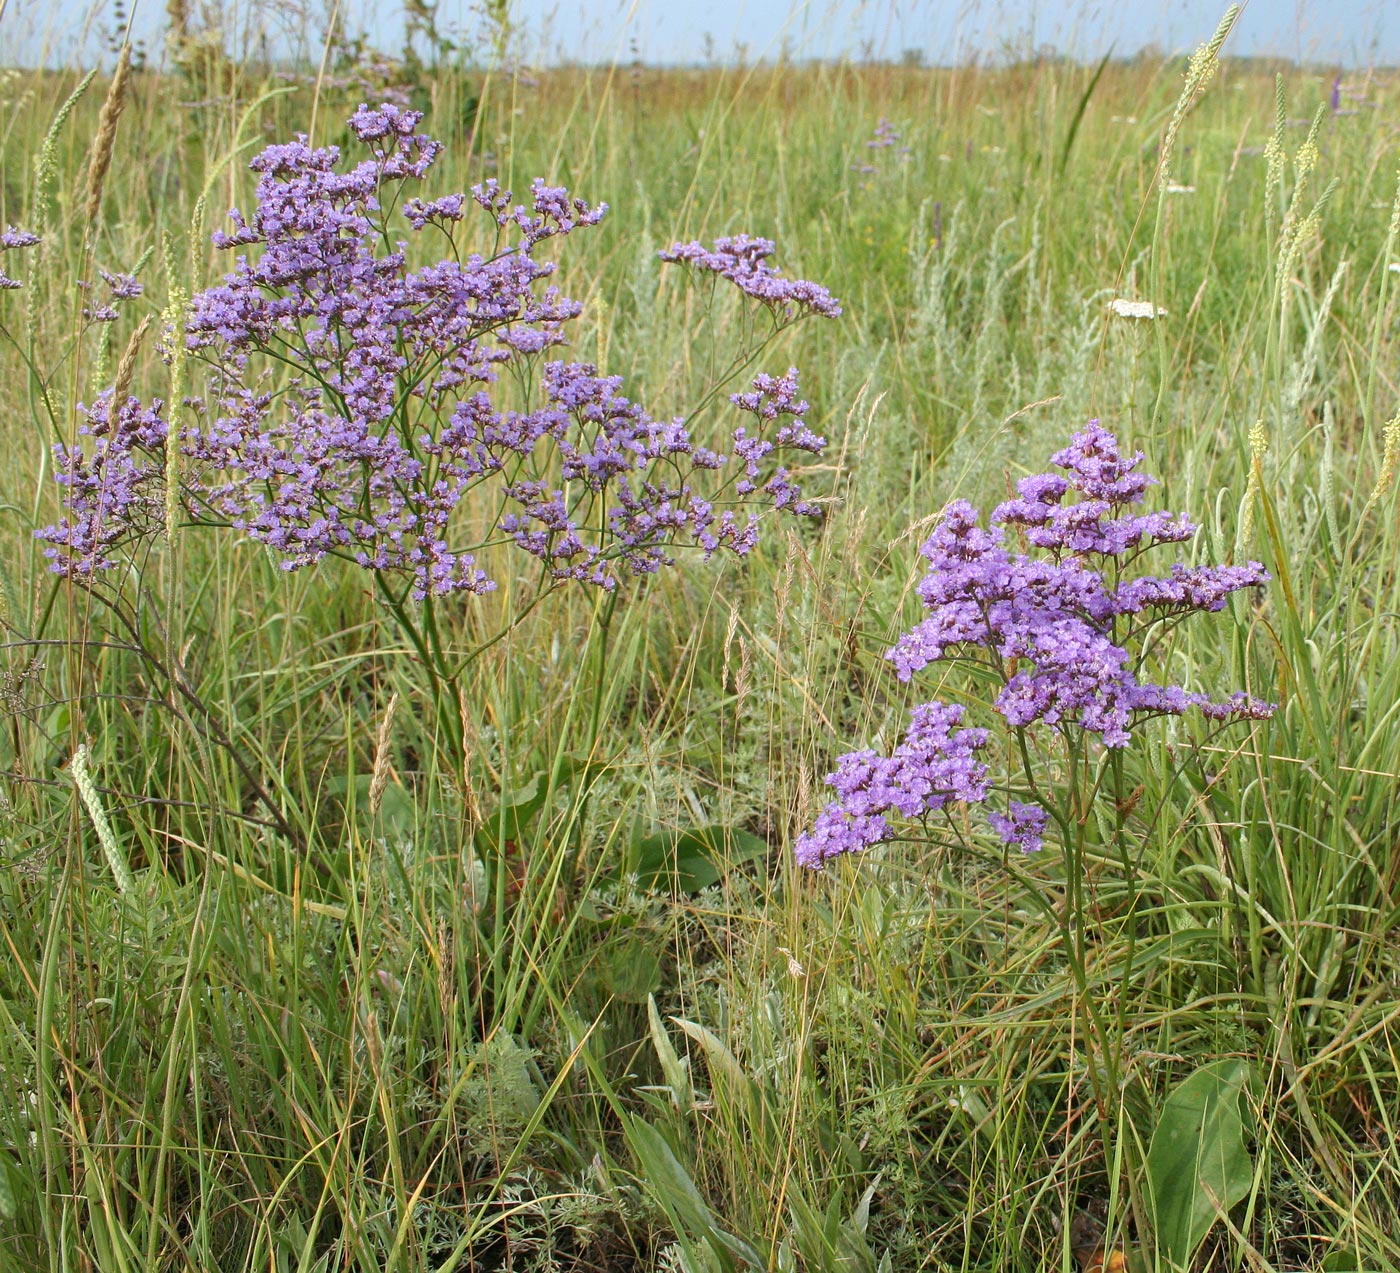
(315, 1033)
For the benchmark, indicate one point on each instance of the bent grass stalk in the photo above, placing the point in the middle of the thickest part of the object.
(106, 837)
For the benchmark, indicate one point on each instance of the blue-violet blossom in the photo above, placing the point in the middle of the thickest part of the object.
(352, 398)
(1055, 629)
(12, 238)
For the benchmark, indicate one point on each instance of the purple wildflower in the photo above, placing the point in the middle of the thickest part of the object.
(886, 134)
(770, 399)
(112, 485)
(934, 766)
(1057, 630)
(1022, 825)
(886, 137)
(123, 287)
(1054, 626)
(386, 421)
(13, 238)
(420, 214)
(743, 260)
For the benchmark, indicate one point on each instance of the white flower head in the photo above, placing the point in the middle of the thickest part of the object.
(1135, 309)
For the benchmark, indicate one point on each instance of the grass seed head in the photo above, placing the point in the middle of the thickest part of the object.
(105, 142)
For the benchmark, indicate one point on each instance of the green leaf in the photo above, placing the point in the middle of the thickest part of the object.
(1079, 112)
(674, 1191)
(511, 823)
(1198, 1166)
(719, 1058)
(690, 860)
(1346, 1261)
(630, 969)
(675, 1071)
(9, 1208)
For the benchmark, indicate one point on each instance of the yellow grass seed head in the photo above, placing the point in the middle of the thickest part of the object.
(126, 365)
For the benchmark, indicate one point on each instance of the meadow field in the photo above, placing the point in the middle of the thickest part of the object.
(348, 929)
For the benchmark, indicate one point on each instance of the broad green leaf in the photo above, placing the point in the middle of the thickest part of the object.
(675, 1070)
(719, 1058)
(1198, 1166)
(511, 824)
(630, 969)
(9, 1208)
(673, 1190)
(695, 858)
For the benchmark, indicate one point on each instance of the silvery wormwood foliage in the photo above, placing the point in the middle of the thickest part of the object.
(1060, 630)
(353, 400)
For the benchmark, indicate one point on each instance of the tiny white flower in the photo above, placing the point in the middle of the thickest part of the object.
(1394, 267)
(1135, 309)
(1174, 188)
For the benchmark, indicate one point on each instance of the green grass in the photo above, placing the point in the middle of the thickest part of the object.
(342, 1048)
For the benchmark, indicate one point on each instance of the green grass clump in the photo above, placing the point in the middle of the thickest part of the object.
(378, 999)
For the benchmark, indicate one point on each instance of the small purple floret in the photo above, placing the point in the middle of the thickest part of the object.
(10, 239)
(1022, 825)
(743, 260)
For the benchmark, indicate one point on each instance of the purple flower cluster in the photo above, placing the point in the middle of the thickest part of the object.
(771, 399)
(352, 396)
(934, 766)
(111, 491)
(120, 287)
(886, 137)
(1057, 630)
(743, 260)
(1022, 825)
(10, 239)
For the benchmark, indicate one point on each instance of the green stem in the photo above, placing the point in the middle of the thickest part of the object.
(602, 629)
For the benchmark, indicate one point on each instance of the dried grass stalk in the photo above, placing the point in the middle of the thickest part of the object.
(105, 142)
(380, 779)
(126, 365)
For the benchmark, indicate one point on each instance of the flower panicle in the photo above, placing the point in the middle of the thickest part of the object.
(1058, 626)
(743, 259)
(388, 419)
(12, 239)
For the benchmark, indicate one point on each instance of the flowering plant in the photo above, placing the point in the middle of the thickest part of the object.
(356, 402)
(388, 418)
(1061, 633)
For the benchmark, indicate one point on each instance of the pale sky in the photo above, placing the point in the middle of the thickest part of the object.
(1345, 32)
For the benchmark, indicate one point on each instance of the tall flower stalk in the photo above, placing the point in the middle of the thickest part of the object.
(1065, 632)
